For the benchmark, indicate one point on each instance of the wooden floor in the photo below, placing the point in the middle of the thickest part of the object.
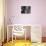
(18, 43)
(23, 43)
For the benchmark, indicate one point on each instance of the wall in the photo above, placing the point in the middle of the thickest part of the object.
(37, 16)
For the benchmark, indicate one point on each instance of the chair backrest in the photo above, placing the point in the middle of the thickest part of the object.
(18, 30)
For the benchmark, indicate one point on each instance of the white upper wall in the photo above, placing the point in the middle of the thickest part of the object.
(37, 16)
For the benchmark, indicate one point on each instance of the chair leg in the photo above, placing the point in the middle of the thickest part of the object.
(15, 38)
